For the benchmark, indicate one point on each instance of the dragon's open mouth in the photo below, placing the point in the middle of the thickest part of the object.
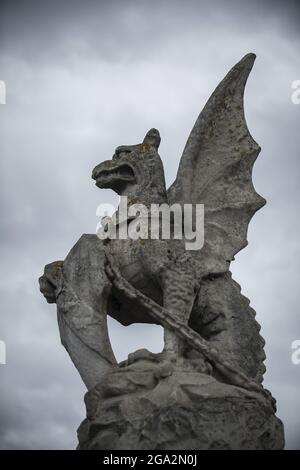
(108, 176)
(123, 172)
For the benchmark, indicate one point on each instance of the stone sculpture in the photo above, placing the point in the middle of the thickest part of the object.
(204, 390)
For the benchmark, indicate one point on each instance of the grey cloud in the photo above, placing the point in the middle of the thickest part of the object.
(130, 30)
(81, 81)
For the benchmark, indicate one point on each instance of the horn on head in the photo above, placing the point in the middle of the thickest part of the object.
(152, 138)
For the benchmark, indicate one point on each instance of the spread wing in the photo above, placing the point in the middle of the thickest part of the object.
(216, 170)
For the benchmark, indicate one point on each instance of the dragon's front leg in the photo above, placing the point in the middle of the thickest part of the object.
(179, 291)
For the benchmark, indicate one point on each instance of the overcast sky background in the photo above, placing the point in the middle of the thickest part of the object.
(85, 77)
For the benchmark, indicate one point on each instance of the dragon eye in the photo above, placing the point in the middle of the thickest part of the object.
(121, 151)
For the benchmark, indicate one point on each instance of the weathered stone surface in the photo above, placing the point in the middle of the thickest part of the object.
(151, 406)
(205, 389)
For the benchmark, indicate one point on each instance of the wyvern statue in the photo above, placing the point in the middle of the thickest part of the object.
(204, 390)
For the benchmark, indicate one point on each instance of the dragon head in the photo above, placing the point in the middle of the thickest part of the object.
(134, 170)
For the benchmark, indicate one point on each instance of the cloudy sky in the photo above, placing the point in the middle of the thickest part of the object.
(84, 77)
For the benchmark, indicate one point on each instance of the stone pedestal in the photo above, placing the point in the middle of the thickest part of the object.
(156, 405)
